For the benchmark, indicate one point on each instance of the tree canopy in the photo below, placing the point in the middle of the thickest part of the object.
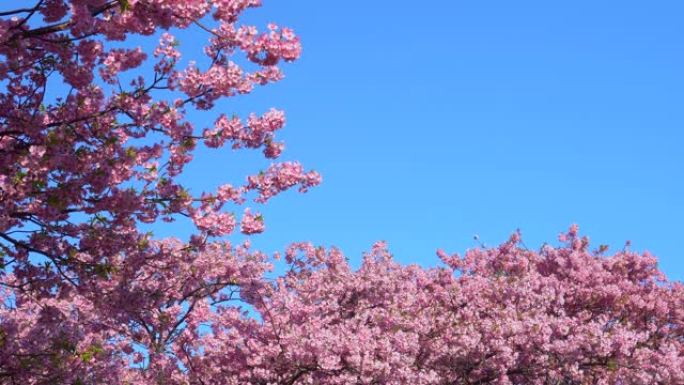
(94, 140)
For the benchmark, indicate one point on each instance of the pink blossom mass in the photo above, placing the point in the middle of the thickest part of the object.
(90, 297)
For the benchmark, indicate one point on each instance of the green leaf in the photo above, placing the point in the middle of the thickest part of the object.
(55, 202)
(124, 5)
(188, 143)
(38, 184)
(103, 270)
(91, 352)
(612, 364)
(18, 177)
(131, 153)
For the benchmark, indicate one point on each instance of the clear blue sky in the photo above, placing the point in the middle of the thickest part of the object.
(434, 121)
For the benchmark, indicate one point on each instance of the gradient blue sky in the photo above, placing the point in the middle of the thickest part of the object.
(434, 121)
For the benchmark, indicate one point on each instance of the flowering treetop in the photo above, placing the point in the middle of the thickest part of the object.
(93, 140)
(105, 154)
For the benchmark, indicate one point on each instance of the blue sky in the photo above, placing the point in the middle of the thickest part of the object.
(435, 121)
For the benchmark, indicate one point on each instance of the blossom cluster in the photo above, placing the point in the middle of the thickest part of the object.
(501, 315)
(94, 141)
(80, 170)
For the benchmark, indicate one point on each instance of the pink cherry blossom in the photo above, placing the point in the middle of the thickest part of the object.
(251, 223)
(89, 296)
(93, 144)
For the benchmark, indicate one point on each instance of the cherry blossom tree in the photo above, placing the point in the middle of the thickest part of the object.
(90, 297)
(502, 315)
(93, 141)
